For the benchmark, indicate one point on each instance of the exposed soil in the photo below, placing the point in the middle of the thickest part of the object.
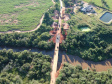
(66, 17)
(15, 21)
(66, 26)
(25, 31)
(6, 16)
(7, 19)
(30, 4)
(74, 60)
(54, 18)
(18, 31)
(57, 73)
(54, 34)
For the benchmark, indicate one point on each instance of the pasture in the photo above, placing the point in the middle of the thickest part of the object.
(22, 14)
(101, 3)
(81, 19)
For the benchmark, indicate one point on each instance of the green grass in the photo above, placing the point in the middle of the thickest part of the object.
(107, 4)
(90, 20)
(97, 2)
(22, 14)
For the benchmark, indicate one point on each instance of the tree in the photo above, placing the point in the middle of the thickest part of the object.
(47, 19)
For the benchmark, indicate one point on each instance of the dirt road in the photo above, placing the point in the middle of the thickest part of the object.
(41, 20)
(56, 52)
(8, 32)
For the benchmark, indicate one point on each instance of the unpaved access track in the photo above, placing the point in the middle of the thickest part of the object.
(41, 20)
(8, 32)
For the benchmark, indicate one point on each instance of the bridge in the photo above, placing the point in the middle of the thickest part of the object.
(56, 51)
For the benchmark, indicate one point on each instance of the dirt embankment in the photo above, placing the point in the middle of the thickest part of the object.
(57, 73)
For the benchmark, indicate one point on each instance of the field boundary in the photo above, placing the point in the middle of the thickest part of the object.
(18, 31)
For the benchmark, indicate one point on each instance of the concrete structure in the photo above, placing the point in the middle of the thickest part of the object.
(87, 8)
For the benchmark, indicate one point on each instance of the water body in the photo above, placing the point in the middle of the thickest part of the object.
(74, 60)
(85, 29)
(106, 17)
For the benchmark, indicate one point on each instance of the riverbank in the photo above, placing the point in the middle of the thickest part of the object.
(74, 60)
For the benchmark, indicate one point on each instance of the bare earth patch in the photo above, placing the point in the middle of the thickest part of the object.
(66, 17)
(31, 4)
(7, 19)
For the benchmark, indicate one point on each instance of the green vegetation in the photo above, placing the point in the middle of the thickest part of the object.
(38, 39)
(24, 67)
(75, 75)
(56, 7)
(47, 19)
(27, 67)
(101, 3)
(81, 19)
(23, 14)
(94, 45)
(68, 3)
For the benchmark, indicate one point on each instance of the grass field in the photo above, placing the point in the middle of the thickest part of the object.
(91, 20)
(102, 3)
(22, 14)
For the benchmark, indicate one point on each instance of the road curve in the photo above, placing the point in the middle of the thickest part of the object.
(8, 32)
(18, 31)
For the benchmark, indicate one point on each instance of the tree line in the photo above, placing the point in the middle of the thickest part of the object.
(69, 3)
(95, 45)
(24, 67)
(75, 75)
(38, 39)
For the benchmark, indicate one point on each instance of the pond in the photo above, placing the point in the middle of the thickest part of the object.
(84, 28)
(106, 17)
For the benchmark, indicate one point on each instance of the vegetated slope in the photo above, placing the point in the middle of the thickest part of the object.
(24, 67)
(22, 14)
(75, 75)
(95, 45)
(101, 3)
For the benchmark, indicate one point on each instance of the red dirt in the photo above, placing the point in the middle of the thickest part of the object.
(53, 32)
(54, 38)
(57, 73)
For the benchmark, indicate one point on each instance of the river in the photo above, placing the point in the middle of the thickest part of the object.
(74, 60)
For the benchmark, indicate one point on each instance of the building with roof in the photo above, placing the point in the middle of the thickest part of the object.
(88, 9)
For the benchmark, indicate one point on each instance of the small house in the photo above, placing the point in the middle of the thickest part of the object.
(87, 9)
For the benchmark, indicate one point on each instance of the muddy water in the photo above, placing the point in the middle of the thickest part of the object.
(74, 60)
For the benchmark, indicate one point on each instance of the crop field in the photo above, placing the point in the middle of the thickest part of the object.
(22, 14)
(102, 3)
